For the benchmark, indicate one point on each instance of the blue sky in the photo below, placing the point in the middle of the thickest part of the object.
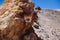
(51, 4)
(1, 1)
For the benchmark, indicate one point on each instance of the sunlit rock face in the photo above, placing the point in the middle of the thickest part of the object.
(7, 13)
(15, 17)
(10, 9)
(30, 1)
(49, 22)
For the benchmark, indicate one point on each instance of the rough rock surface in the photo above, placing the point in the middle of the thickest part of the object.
(16, 16)
(7, 13)
(49, 22)
(9, 10)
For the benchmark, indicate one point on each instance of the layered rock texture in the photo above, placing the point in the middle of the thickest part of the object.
(10, 9)
(18, 15)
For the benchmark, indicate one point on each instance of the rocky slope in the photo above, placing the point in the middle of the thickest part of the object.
(49, 22)
(16, 17)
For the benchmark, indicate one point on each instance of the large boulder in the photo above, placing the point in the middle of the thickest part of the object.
(15, 17)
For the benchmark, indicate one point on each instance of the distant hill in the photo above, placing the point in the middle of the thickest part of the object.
(57, 9)
(49, 21)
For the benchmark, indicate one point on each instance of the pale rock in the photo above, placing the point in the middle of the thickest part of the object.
(49, 21)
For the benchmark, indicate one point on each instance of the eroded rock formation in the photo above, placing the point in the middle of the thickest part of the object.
(16, 16)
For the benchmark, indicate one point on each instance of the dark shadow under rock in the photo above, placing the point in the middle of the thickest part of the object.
(30, 35)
